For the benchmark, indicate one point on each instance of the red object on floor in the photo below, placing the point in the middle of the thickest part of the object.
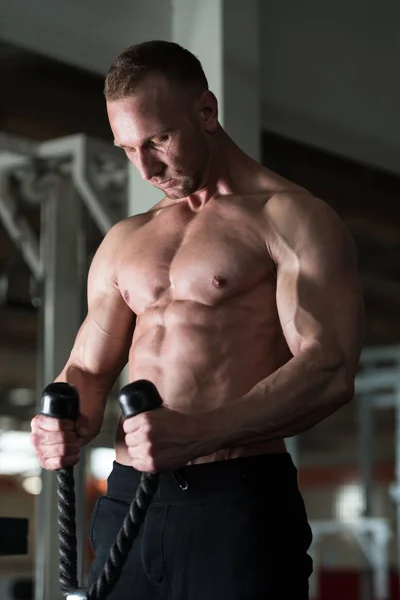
(346, 585)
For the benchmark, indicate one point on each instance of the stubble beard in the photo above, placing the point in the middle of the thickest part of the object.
(185, 187)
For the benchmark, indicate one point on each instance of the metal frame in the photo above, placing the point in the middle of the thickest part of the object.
(74, 171)
(80, 149)
(373, 536)
(378, 387)
(17, 227)
(75, 155)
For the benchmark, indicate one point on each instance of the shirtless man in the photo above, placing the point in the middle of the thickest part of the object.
(237, 295)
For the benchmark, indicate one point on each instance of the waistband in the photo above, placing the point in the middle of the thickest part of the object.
(210, 480)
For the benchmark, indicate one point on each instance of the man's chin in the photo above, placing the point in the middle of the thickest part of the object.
(169, 191)
(174, 194)
(176, 191)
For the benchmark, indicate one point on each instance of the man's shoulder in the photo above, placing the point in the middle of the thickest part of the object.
(109, 252)
(129, 225)
(291, 198)
(277, 196)
(292, 207)
(304, 223)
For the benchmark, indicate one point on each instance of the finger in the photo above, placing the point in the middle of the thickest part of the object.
(136, 440)
(82, 426)
(134, 451)
(143, 465)
(144, 452)
(51, 424)
(44, 438)
(132, 424)
(59, 450)
(52, 464)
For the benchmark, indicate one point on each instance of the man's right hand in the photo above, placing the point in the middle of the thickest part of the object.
(57, 442)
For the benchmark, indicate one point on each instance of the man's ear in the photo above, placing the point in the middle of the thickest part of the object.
(207, 106)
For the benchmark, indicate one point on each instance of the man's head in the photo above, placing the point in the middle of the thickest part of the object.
(162, 114)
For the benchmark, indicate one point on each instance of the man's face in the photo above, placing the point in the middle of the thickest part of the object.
(161, 130)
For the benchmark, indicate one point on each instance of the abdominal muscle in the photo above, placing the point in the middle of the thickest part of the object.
(201, 357)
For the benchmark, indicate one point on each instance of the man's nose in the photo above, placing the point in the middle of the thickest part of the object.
(148, 166)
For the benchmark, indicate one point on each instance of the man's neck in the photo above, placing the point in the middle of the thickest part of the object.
(230, 171)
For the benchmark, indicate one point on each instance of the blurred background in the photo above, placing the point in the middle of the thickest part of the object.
(312, 90)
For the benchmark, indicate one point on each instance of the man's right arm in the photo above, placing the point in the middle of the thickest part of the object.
(99, 353)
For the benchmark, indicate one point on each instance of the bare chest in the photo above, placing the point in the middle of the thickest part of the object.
(207, 257)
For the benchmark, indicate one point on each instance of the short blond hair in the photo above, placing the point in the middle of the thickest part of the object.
(168, 59)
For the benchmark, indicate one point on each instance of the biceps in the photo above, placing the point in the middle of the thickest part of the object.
(321, 307)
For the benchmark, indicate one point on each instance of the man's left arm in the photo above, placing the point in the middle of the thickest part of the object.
(321, 313)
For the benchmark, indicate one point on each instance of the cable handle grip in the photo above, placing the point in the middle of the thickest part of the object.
(60, 401)
(138, 397)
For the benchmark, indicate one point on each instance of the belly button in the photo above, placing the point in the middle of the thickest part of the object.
(219, 282)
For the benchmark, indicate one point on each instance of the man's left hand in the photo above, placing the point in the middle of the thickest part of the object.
(161, 440)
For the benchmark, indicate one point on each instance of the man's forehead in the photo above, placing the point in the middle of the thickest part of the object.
(142, 116)
(156, 90)
(146, 106)
(132, 127)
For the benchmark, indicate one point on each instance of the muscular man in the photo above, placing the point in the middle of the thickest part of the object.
(237, 295)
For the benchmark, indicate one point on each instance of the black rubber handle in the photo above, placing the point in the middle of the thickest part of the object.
(61, 401)
(139, 396)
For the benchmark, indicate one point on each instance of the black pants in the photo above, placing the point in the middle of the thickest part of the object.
(239, 532)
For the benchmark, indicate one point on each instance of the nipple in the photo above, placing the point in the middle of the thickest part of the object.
(219, 282)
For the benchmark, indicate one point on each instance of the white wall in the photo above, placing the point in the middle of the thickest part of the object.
(85, 33)
(190, 20)
(331, 75)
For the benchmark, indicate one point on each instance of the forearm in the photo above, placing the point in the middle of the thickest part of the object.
(93, 391)
(303, 392)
